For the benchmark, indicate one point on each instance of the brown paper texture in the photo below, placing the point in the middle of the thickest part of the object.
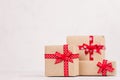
(79, 40)
(90, 68)
(52, 69)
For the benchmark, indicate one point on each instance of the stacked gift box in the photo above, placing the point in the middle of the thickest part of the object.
(81, 56)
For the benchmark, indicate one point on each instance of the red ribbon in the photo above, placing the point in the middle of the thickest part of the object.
(104, 67)
(91, 48)
(66, 57)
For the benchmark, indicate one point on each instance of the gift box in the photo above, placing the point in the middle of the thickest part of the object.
(61, 60)
(104, 68)
(89, 47)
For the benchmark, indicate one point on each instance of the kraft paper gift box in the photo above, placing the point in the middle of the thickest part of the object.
(61, 60)
(89, 47)
(92, 68)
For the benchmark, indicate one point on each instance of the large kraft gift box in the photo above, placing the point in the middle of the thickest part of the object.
(89, 47)
(104, 68)
(61, 60)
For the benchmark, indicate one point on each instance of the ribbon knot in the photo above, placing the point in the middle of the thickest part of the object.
(91, 48)
(104, 67)
(63, 57)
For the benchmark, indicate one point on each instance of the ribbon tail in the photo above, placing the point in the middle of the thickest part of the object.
(104, 73)
(98, 51)
(86, 52)
(100, 70)
(70, 60)
(91, 56)
(58, 61)
(109, 67)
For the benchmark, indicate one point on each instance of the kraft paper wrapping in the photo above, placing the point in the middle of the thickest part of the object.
(89, 68)
(79, 40)
(52, 69)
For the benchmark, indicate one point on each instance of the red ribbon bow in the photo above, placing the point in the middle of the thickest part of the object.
(104, 67)
(66, 57)
(91, 48)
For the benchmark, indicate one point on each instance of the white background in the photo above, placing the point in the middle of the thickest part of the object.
(26, 26)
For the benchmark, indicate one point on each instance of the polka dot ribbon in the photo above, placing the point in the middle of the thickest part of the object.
(66, 57)
(104, 67)
(91, 48)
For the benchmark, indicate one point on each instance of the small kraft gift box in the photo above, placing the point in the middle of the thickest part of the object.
(89, 47)
(61, 60)
(94, 68)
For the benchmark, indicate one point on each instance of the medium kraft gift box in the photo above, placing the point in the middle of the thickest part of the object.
(89, 47)
(92, 68)
(61, 60)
